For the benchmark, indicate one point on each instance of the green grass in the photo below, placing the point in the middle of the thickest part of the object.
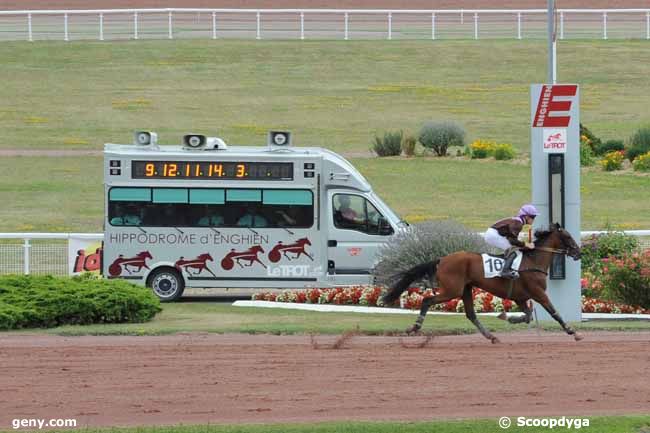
(336, 94)
(66, 193)
(220, 318)
(612, 424)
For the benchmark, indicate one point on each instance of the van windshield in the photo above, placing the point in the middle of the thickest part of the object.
(392, 216)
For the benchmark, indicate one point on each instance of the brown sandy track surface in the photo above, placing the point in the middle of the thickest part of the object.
(206, 378)
(319, 4)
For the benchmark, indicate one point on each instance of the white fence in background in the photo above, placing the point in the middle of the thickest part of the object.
(362, 24)
(47, 253)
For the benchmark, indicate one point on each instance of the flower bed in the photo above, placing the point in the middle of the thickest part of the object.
(484, 302)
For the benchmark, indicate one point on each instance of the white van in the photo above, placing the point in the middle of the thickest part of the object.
(204, 214)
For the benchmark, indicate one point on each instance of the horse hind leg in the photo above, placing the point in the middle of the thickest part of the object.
(426, 304)
(523, 306)
(468, 302)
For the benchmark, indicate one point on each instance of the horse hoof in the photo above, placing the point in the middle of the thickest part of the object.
(413, 330)
(502, 316)
(495, 340)
(577, 336)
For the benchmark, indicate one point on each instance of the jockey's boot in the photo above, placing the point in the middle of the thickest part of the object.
(507, 271)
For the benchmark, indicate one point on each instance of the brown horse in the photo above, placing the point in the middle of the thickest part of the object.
(457, 273)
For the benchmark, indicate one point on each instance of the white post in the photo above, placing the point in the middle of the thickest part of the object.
(346, 26)
(169, 26)
(214, 25)
(101, 26)
(647, 25)
(259, 32)
(462, 17)
(518, 25)
(475, 25)
(604, 25)
(26, 248)
(390, 26)
(65, 28)
(561, 25)
(433, 26)
(302, 26)
(135, 25)
(30, 36)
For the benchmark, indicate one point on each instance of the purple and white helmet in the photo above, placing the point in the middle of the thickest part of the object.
(528, 210)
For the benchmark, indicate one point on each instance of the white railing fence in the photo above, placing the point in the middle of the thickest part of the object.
(362, 24)
(48, 253)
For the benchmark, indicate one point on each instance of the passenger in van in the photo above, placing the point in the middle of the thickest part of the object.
(344, 215)
(210, 219)
(287, 217)
(252, 218)
(126, 216)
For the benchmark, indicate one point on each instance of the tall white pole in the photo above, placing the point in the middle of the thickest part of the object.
(552, 63)
(30, 35)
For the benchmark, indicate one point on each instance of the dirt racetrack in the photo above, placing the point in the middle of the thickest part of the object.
(205, 378)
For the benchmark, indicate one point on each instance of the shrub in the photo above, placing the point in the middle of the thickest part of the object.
(480, 149)
(421, 243)
(589, 138)
(611, 244)
(609, 146)
(438, 136)
(613, 161)
(642, 162)
(408, 145)
(504, 152)
(389, 145)
(586, 153)
(47, 301)
(628, 279)
(639, 143)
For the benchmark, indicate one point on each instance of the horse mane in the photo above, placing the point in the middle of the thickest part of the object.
(542, 234)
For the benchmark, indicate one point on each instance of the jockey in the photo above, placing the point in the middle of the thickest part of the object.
(504, 234)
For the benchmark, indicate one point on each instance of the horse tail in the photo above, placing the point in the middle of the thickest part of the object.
(407, 277)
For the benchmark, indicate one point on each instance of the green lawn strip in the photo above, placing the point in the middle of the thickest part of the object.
(336, 94)
(221, 318)
(66, 193)
(611, 424)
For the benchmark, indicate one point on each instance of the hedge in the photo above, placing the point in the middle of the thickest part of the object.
(47, 301)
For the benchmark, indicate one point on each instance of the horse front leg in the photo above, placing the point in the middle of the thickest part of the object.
(548, 306)
(468, 302)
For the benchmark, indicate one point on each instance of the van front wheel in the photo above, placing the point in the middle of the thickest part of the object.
(167, 284)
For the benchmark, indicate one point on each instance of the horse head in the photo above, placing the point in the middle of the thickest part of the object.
(206, 257)
(144, 255)
(560, 238)
(304, 241)
(256, 249)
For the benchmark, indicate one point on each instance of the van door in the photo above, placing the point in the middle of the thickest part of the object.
(356, 230)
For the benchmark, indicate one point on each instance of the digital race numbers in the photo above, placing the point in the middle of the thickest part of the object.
(212, 170)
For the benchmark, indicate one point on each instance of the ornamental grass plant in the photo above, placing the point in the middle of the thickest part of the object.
(421, 243)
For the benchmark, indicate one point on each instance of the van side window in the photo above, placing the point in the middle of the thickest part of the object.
(354, 212)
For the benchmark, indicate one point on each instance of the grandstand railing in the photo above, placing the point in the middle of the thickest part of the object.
(362, 24)
(47, 253)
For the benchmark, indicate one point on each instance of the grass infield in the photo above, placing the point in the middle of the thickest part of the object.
(222, 318)
(65, 194)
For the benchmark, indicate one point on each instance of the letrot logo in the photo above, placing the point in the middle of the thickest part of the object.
(554, 140)
(548, 104)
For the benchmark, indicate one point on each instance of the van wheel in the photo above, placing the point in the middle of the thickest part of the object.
(167, 284)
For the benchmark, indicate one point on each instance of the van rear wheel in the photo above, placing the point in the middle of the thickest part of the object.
(167, 284)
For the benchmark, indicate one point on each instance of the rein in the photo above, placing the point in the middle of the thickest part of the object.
(552, 250)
